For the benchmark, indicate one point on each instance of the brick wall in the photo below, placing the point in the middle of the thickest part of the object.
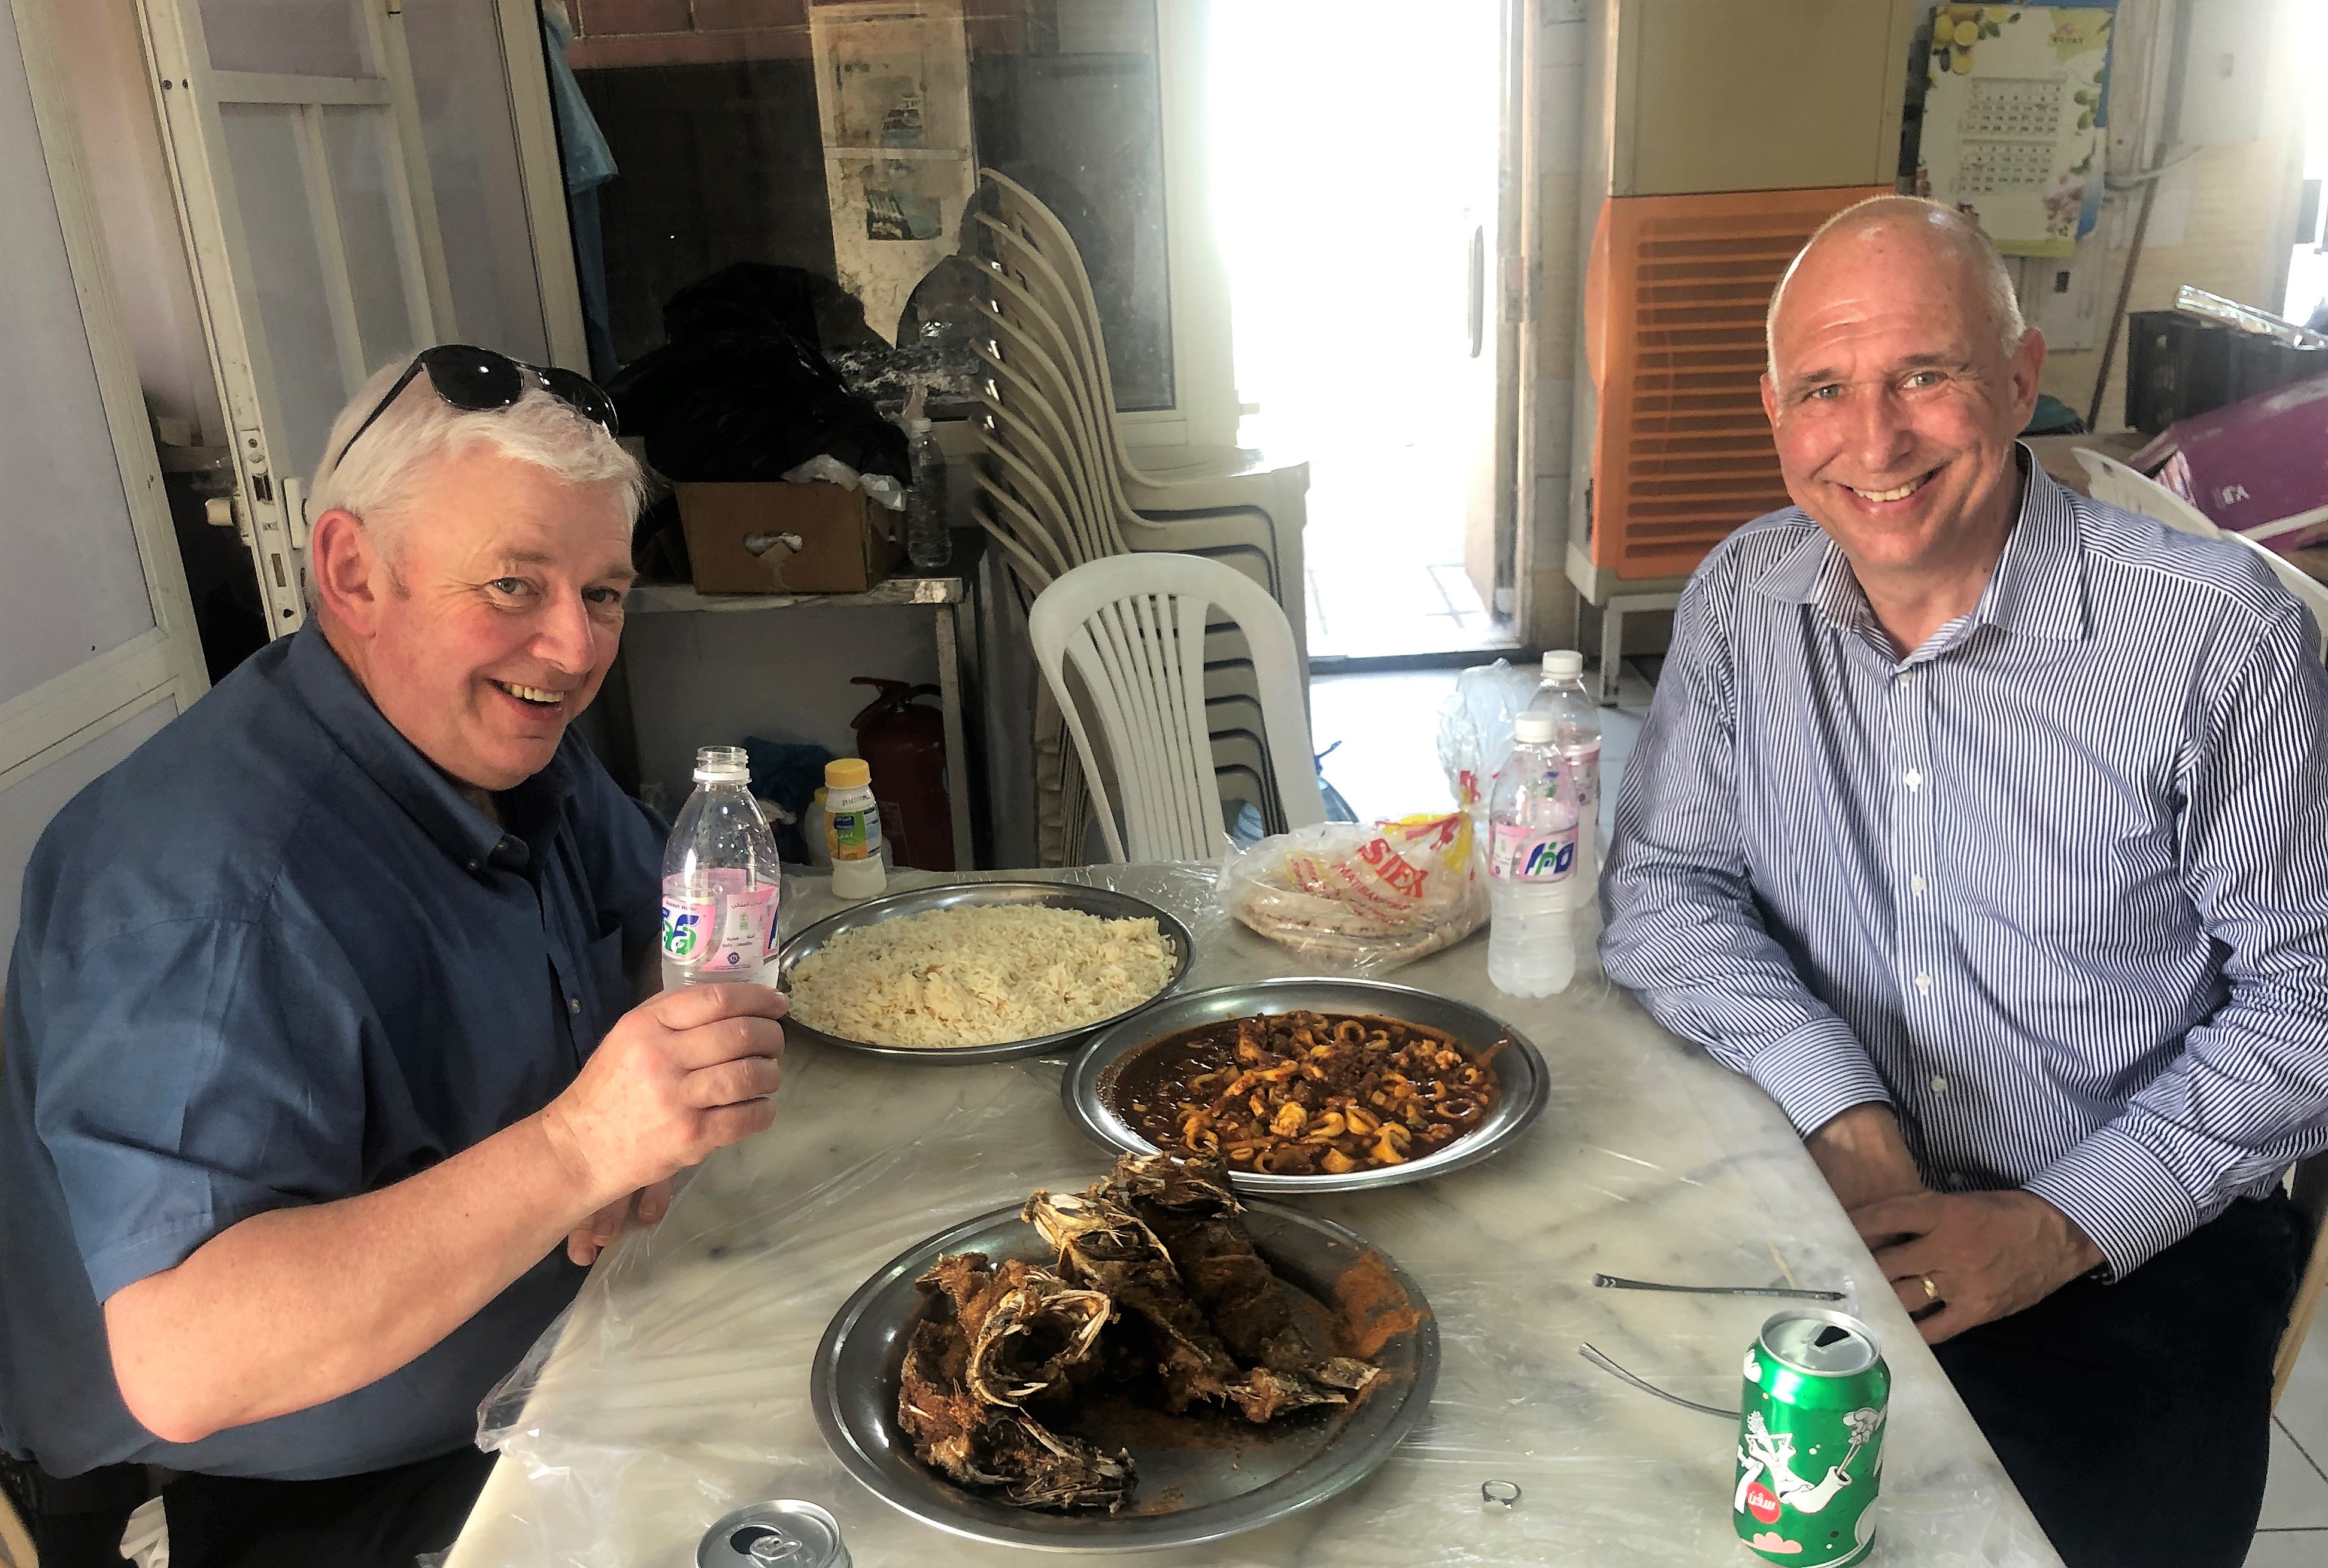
(614, 34)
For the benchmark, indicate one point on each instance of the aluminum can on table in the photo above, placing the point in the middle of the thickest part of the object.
(784, 1533)
(1810, 1439)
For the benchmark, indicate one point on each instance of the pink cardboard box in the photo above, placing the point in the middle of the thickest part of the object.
(2259, 467)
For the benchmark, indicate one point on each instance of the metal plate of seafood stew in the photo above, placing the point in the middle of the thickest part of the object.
(1100, 1086)
(1103, 901)
(1198, 1476)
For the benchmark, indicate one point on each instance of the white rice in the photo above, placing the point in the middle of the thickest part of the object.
(978, 976)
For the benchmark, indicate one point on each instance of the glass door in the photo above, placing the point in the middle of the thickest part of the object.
(301, 172)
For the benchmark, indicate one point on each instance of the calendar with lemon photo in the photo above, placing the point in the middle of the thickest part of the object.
(2016, 98)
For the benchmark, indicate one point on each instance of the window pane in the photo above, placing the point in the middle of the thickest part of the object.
(458, 75)
(729, 152)
(1073, 114)
(70, 581)
(286, 272)
(353, 142)
(294, 37)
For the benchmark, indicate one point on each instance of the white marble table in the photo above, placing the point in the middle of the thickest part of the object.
(678, 1388)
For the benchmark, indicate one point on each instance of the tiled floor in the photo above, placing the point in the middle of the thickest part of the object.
(1387, 765)
(1360, 609)
(2295, 1526)
(1385, 554)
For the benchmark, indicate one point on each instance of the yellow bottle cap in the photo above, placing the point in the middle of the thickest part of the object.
(848, 773)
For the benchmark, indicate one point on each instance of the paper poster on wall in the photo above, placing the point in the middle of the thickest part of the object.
(2015, 110)
(893, 96)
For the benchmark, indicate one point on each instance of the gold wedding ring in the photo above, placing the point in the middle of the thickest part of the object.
(1931, 1290)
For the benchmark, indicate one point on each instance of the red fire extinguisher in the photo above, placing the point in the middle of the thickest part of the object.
(904, 744)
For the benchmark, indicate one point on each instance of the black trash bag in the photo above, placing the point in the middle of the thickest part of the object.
(742, 394)
(755, 296)
(788, 773)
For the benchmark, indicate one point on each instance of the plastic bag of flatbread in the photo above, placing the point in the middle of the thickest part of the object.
(1365, 896)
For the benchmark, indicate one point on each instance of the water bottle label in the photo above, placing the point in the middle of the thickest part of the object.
(694, 934)
(1584, 762)
(1521, 854)
(853, 835)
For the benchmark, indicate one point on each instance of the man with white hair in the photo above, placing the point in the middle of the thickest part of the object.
(320, 1027)
(1986, 829)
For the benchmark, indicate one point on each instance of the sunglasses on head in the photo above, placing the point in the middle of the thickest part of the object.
(477, 381)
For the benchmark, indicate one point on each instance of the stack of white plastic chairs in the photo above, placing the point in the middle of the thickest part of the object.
(1058, 487)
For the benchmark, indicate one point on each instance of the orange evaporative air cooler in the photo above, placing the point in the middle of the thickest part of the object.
(1674, 291)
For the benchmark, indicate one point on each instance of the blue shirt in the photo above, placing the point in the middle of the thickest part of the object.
(274, 958)
(2054, 886)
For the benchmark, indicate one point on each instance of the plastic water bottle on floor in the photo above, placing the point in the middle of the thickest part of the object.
(720, 885)
(1576, 731)
(1532, 837)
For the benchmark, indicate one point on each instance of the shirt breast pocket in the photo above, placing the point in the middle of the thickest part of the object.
(608, 988)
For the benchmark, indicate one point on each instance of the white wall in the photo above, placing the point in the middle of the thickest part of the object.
(712, 678)
(1559, 309)
(2224, 220)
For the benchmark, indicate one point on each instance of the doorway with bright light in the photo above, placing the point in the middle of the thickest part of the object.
(1355, 172)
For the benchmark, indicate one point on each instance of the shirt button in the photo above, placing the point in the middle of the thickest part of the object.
(1914, 781)
(1916, 886)
(1924, 983)
(473, 866)
(573, 1004)
(1939, 1084)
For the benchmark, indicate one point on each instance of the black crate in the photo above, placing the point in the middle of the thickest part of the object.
(2176, 365)
(2180, 365)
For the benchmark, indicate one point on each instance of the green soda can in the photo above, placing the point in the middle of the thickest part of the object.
(1810, 1439)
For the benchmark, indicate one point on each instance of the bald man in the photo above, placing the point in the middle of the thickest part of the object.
(1985, 828)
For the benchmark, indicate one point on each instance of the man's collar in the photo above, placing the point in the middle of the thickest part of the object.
(2037, 590)
(321, 680)
(2039, 586)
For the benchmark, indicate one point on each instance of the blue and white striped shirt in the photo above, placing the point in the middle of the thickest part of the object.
(2054, 886)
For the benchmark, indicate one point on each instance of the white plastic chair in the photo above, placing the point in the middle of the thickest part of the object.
(1133, 627)
(1023, 428)
(1038, 245)
(1035, 312)
(2132, 490)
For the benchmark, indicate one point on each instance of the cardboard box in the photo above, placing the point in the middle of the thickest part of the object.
(781, 538)
(2261, 466)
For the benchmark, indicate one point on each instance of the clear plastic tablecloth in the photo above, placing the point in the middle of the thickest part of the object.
(676, 1387)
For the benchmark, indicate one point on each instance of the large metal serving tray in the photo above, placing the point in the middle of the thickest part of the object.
(1202, 1491)
(1103, 902)
(1084, 1089)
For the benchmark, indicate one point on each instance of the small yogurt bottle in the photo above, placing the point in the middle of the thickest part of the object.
(852, 829)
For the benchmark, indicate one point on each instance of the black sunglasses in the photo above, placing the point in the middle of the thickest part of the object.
(476, 380)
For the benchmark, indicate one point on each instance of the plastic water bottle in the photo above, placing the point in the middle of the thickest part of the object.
(1576, 731)
(928, 546)
(719, 880)
(1531, 839)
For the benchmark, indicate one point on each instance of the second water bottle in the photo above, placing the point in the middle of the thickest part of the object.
(1532, 865)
